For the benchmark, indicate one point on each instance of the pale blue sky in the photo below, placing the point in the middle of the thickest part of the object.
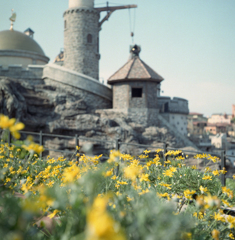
(191, 43)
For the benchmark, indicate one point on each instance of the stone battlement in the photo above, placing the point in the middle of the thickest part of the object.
(175, 105)
(75, 10)
(33, 72)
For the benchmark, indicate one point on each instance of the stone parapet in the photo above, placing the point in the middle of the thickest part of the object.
(93, 93)
(32, 72)
(175, 105)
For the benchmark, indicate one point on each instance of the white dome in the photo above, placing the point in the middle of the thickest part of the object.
(81, 3)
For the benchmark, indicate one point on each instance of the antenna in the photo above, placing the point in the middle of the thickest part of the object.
(12, 18)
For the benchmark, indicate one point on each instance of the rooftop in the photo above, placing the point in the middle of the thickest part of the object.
(135, 69)
(15, 40)
(195, 113)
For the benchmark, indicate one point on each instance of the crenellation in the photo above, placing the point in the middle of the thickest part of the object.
(33, 72)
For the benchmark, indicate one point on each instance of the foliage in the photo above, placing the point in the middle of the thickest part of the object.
(61, 199)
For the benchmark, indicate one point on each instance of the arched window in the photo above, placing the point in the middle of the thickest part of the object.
(65, 24)
(89, 38)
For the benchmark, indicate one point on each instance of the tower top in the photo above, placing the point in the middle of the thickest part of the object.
(81, 3)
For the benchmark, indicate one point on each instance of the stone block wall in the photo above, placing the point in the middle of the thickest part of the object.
(81, 41)
(32, 72)
(122, 95)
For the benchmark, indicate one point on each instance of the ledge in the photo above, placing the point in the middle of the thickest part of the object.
(75, 79)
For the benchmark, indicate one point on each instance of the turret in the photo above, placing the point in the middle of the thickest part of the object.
(81, 3)
(81, 38)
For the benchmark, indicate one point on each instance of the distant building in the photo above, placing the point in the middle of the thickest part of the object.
(215, 128)
(233, 111)
(196, 123)
(220, 118)
(219, 141)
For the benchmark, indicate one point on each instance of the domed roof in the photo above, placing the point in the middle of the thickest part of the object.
(15, 40)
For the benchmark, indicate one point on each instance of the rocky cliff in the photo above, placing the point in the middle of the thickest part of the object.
(59, 110)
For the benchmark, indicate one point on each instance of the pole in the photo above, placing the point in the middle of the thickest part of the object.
(9, 138)
(76, 144)
(223, 165)
(40, 142)
(117, 149)
(164, 152)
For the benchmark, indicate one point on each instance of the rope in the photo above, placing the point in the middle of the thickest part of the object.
(132, 26)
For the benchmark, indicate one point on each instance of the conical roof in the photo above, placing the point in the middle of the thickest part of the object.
(135, 69)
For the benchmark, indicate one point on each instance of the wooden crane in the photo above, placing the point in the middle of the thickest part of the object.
(110, 10)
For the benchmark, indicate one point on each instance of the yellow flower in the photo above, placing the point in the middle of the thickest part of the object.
(227, 191)
(207, 169)
(33, 147)
(71, 174)
(6, 123)
(187, 236)
(5, 165)
(194, 167)
(226, 203)
(100, 225)
(168, 173)
(165, 185)
(211, 201)
(188, 194)
(118, 194)
(207, 177)
(53, 214)
(143, 192)
(200, 215)
(216, 173)
(215, 234)
(164, 195)
(131, 172)
(144, 177)
(203, 190)
(114, 177)
(108, 173)
(129, 199)
(147, 151)
(173, 169)
(223, 171)
(219, 217)
(122, 183)
(231, 221)
(231, 235)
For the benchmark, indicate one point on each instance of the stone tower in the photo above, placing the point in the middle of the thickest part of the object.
(81, 38)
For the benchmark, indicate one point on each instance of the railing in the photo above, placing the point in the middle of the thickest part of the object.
(116, 145)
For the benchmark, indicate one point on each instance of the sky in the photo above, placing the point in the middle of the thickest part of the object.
(190, 43)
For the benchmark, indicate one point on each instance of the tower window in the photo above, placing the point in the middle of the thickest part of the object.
(136, 92)
(89, 38)
(65, 24)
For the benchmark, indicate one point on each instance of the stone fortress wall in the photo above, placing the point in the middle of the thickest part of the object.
(175, 105)
(32, 72)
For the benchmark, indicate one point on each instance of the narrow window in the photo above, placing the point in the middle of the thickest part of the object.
(98, 47)
(65, 24)
(89, 38)
(136, 92)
